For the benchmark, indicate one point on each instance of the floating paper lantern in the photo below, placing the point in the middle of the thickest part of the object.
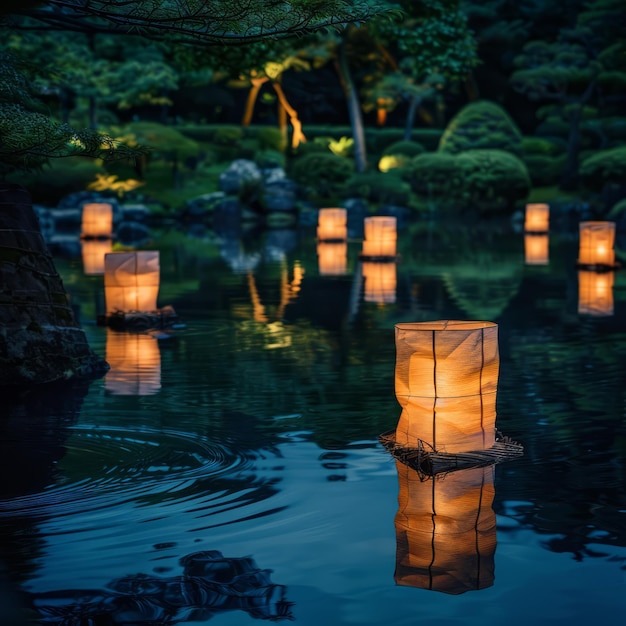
(332, 258)
(131, 281)
(380, 237)
(536, 249)
(97, 221)
(595, 293)
(93, 253)
(446, 530)
(380, 280)
(537, 218)
(446, 380)
(332, 225)
(596, 244)
(135, 361)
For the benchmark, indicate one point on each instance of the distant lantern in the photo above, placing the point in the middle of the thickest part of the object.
(536, 249)
(379, 282)
(97, 220)
(595, 293)
(332, 258)
(537, 219)
(131, 281)
(446, 380)
(135, 361)
(380, 237)
(332, 224)
(596, 244)
(446, 530)
(93, 252)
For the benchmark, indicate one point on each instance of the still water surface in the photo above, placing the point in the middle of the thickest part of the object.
(230, 471)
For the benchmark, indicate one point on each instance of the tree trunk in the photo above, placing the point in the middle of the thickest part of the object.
(298, 136)
(255, 87)
(414, 102)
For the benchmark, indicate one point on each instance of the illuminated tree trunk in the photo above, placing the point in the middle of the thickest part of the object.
(257, 83)
(298, 136)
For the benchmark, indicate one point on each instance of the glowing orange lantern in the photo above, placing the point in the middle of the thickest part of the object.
(93, 252)
(537, 218)
(97, 221)
(536, 248)
(131, 281)
(596, 244)
(380, 237)
(135, 361)
(332, 258)
(332, 225)
(446, 530)
(595, 293)
(379, 282)
(446, 380)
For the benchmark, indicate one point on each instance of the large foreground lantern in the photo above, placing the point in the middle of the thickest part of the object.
(446, 379)
(93, 253)
(332, 224)
(446, 530)
(595, 293)
(97, 220)
(380, 237)
(131, 281)
(536, 249)
(380, 280)
(596, 244)
(332, 258)
(537, 218)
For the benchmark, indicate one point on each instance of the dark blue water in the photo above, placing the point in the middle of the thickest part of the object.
(231, 471)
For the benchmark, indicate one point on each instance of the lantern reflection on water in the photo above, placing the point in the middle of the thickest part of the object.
(536, 249)
(332, 224)
(537, 218)
(93, 253)
(380, 237)
(332, 258)
(97, 220)
(446, 530)
(596, 244)
(131, 281)
(595, 293)
(379, 281)
(135, 361)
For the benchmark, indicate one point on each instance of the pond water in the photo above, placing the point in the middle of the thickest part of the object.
(230, 471)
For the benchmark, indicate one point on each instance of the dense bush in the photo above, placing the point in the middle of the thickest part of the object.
(227, 135)
(433, 175)
(324, 172)
(271, 138)
(544, 170)
(404, 148)
(541, 146)
(607, 167)
(378, 188)
(266, 159)
(481, 125)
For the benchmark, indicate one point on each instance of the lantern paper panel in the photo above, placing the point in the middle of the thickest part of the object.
(380, 281)
(446, 530)
(332, 224)
(332, 258)
(135, 361)
(93, 253)
(537, 218)
(446, 380)
(380, 236)
(536, 249)
(131, 281)
(596, 244)
(97, 220)
(595, 293)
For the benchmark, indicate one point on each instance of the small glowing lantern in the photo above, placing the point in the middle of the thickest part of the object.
(131, 281)
(332, 258)
(332, 225)
(380, 237)
(97, 220)
(93, 252)
(537, 218)
(596, 244)
(135, 361)
(446, 380)
(595, 293)
(536, 249)
(446, 530)
(380, 282)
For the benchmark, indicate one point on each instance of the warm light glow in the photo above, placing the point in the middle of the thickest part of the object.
(135, 361)
(97, 220)
(596, 244)
(93, 251)
(446, 530)
(332, 258)
(131, 281)
(380, 236)
(332, 225)
(595, 293)
(537, 218)
(390, 162)
(446, 382)
(536, 248)
(380, 282)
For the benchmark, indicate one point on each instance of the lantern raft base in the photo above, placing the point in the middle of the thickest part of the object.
(599, 268)
(429, 462)
(162, 319)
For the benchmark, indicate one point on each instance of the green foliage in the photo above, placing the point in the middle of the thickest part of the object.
(404, 148)
(378, 188)
(604, 167)
(481, 125)
(433, 175)
(270, 138)
(323, 173)
(618, 210)
(228, 135)
(540, 147)
(544, 170)
(269, 158)
(164, 140)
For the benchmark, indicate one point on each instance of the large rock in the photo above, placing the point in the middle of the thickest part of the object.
(40, 338)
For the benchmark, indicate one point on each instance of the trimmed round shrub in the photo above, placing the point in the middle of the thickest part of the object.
(479, 126)
(607, 167)
(227, 135)
(270, 138)
(266, 159)
(433, 175)
(379, 188)
(404, 148)
(544, 170)
(541, 146)
(323, 172)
